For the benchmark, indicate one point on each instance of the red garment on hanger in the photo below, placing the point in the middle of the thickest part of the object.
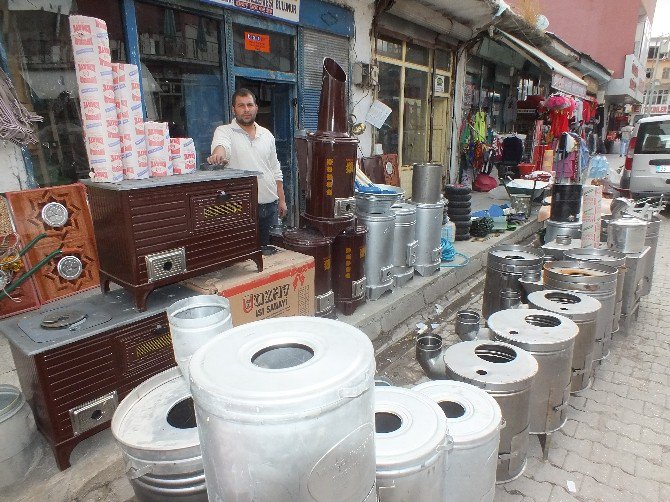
(559, 122)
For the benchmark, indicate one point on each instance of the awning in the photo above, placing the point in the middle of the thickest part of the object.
(562, 79)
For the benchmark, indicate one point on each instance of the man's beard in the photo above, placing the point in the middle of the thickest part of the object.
(242, 121)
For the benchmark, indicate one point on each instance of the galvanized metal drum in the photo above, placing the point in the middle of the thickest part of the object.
(474, 420)
(609, 257)
(428, 230)
(427, 183)
(566, 228)
(156, 429)
(651, 240)
(626, 235)
(504, 267)
(19, 441)
(195, 321)
(506, 373)
(583, 311)
(412, 445)
(404, 243)
(593, 279)
(551, 339)
(285, 412)
(555, 250)
(379, 254)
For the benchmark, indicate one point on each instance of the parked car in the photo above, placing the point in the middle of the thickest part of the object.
(647, 168)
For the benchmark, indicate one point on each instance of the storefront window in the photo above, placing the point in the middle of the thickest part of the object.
(263, 49)
(389, 94)
(415, 117)
(37, 40)
(443, 60)
(417, 55)
(181, 72)
(389, 48)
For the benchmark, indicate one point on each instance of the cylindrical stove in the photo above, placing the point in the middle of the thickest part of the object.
(404, 243)
(349, 279)
(566, 202)
(553, 229)
(428, 236)
(379, 253)
(427, 183)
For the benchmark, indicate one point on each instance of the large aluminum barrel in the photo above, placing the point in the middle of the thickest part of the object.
(506, 373)
(555, 250)
(609, 257)
(412, 445)
(626, 235)
(583, 311)
(551, 339)
(193, 322)
(427, 183)
(567, 228)
(474, 420)
(404, 243)
(428, 235)
(379, 253)
(651, 240)
(156, 429)
(505, 265)
(285, 412)
(593, 279)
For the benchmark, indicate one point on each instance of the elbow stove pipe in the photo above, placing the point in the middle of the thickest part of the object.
(430, 355)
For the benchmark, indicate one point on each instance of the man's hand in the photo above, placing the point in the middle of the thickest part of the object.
(217, 159)
(282, 209)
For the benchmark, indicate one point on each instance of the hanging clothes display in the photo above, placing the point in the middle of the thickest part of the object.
(509, 110)
(479, 126)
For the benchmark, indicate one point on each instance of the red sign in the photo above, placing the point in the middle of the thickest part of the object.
(256, 42)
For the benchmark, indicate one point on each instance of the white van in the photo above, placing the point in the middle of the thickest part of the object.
(647, 167)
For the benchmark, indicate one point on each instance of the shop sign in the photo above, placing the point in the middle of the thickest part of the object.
(440, 83)
(286, 10)
(567, 85)
(658, 109)
(256, 42)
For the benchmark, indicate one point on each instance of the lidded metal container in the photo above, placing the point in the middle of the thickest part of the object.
(195, 321)
(428, 236)
(506, 373)
(651, 240)
(474, 420)
(627, 235)
(379, 253)
(567, 228)
(427, 183)
(348, 269)
(156, 429)
(404, 243)
(551, 339)
(312, 243)
(594, 279)
(505, 265)
(609, 257)
(555, 250)
(285, 411)
(412, 445)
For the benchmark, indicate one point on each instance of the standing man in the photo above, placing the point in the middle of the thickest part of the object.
(243, 144)
(626, 134)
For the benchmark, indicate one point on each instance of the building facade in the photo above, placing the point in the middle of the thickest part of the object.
(657, 91)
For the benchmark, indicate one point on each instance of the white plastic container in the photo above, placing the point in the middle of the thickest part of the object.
(284, 409)
(412, 444)
(474, 420)
(195, 321)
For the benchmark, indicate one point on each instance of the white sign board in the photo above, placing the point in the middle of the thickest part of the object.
(287, 10)
(377, 114)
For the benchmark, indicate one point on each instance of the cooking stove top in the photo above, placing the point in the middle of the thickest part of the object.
(60, 323)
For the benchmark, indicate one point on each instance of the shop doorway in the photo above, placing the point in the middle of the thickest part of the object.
(276, 112)
(440, 132)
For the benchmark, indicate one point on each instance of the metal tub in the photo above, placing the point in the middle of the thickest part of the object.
(404, 243)
(506, 373)
(285, 412)
(428, 236)
(551, 339)
(412, 446)
(583, 311)
(378, 203)
(504, 267)
(379, 253)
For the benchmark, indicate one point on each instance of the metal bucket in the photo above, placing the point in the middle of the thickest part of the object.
(609, 257)
(568, 228)
(550, 338)
(19, 442)
(412, 445)
(428, 236)
(285, 412)
(427, 183)
(193, 322)
(583, 311)
(651, 240)
(593, 279)
(474, 420)
(378, 203)
(504, 267)
(404, 243)
(555, 250)
(506, 373)
(627, 235)
(155, 427)
(379, 253)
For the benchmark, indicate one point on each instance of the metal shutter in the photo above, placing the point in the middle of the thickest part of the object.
(318, 45)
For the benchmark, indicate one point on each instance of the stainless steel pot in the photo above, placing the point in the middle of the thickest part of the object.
(427, 183)
(550, 338)
(379, 253)
(404, 243)
(428, 230)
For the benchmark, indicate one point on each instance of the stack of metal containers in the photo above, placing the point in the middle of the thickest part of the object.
(429, 203)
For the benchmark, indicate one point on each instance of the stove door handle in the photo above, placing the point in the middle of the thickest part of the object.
(222, 196)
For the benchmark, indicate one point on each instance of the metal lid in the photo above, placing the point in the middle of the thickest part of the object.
(473, 417)
(305, 237)
(533, 330)
(576, 306)
(602, 255)
(429, 205)
(514, 254)
(276, 369)
(581, 272)
(156, 421)
(403, 209)
(11, 401)
(490, 365)
(411, 429)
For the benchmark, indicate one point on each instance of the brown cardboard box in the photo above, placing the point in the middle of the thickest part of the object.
(284, 288)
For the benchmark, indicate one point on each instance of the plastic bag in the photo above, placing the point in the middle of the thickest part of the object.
(600, 168)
